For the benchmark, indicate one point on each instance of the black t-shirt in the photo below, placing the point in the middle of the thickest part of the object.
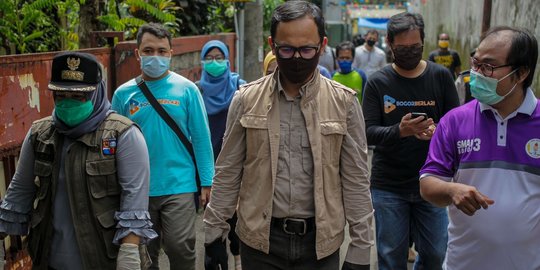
(449, 59)
(387, 98)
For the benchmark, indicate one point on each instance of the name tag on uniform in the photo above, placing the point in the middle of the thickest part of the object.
(108, 146)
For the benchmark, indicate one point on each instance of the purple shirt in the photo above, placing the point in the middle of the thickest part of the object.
(473, 145)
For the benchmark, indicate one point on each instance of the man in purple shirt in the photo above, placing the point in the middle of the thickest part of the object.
(485, 154)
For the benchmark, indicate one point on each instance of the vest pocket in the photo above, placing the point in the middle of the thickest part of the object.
(332, 135)
(36, 238)
(43, 171)
(102, 178)
(108, 230)
(257, 136)
(42, 168)
(307, 157)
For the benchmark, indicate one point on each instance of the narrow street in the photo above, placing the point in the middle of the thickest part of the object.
(164, 262)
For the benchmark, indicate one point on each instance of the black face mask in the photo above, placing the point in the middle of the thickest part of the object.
(407, 57)
(370, 43)
(297, 70)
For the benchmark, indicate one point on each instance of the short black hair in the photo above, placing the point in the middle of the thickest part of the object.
(373, 31)
(343, 46)
(292, 10)
(358, 40)
(155, 29)
(405, 21)
(523, 50)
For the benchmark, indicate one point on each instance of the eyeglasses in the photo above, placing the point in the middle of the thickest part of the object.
(485, 69)
(409, 47)
(209, 58)
(288, 52)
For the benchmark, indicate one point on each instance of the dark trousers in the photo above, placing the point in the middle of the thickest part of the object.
(287, 251)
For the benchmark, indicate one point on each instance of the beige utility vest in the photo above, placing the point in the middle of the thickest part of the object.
(325, 106)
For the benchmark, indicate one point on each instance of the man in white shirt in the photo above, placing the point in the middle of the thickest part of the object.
(369, 57)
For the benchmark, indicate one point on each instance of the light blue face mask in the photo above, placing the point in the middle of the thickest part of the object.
(155, 66)
(484, 89)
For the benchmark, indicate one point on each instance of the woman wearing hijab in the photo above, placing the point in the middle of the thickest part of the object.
(218, 84)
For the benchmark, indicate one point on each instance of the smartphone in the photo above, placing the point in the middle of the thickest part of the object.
(418, 114)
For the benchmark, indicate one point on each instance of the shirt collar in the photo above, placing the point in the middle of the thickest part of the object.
(527, 106)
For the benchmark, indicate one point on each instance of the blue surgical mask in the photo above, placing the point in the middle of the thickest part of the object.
(345, 66)
(484, 89)
(155, 66)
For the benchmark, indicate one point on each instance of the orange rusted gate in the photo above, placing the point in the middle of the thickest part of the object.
(23, 93)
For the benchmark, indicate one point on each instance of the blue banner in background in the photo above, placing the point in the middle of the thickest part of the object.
(375, 23)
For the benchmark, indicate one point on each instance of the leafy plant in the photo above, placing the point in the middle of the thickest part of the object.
(27, 26)
(219, 19)
(46, 25)
(268, 9)
(129, 15)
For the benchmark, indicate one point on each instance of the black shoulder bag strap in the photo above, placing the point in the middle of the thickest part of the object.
(172, 124)
(334, 58)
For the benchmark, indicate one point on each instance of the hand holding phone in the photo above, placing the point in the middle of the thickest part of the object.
(418, 114)
(411, 126)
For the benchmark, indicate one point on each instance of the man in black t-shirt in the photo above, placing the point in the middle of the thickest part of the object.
(446, 57)
(392, 94)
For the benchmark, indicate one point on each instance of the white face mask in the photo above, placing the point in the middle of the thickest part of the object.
(484, 89)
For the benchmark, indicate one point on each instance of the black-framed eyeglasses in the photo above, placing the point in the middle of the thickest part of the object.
(484, 68)
(409, 47)
(210, 58)
(288, 52)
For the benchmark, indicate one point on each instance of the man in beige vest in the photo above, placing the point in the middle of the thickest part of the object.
(294, 160)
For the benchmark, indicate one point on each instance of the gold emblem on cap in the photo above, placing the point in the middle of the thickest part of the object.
(73, 63)
(72, 74)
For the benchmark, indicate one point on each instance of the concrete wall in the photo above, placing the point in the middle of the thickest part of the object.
(462, 20)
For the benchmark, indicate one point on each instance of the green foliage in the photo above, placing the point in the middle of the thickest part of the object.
(27, 26)
(129, 15)
(220, 19)
(181, 18)
(268, 9)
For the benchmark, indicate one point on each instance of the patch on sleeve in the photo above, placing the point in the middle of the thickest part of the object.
(108, 146)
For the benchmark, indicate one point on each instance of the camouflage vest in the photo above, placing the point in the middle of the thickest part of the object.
(92, 186)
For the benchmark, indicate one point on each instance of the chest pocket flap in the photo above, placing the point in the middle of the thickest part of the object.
(333, 127)
(102, 177)
(254, 121)
(257, 138)
(332, 137)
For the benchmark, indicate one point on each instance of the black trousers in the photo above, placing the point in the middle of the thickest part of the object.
(234, 241)
(287, 252)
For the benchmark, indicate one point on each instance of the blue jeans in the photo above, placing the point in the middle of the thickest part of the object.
(398, 214)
